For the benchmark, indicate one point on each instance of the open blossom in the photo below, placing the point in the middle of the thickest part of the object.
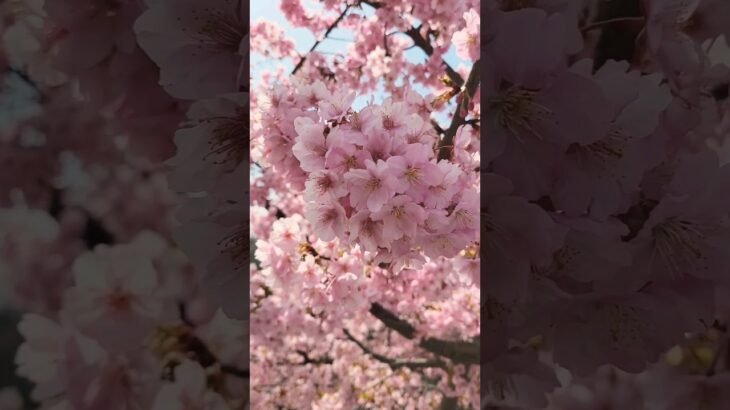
(600, 213)
(401, 216)
(199, 47)
(598, 176)
(439, 194)
(337, 105)
(213, 146)
(367, 231)
(114, 288)
(414, 170)
(189, 391)
(467, 39)
(311, 145)
(311, 95)
(466, 212)
(393, 119)
(371, 187)
(324, 185)
(328, 218)
(672, 47)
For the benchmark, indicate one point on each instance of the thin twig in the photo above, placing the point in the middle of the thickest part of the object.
(464, 352)
(598, 24)
(421, 42)
(425, 45)
(316, 43)
(348, 40)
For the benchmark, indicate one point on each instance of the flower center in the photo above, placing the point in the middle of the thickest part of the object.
(229, 141)
(368, 227)
(464, 217)
(373, 184)
(517, 111)
(222, 29)
(328, 216)
(350, 162)
(412, 174)
(606, 151)
(119, 300)
(237, 245)
(355, 122)
(324, 184)
(398, 211)
(624, 323)
(679, 244)
(388, 122)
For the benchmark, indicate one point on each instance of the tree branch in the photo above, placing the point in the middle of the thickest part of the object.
(235, 371)
(426, 46)
(463, 352)
(446, 147)
(423, 44)
(315, 361)
(394, 363)
(326, 33)
(449, 403)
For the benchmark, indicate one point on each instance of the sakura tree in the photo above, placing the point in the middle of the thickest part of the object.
(583, 224)
(364, 205)
(111, 165)
(605, 204)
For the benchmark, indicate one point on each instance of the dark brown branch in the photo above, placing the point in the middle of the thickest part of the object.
(446, 147)
(464, 352)
(425, 45)
(437, 127)
(392, 321)
(422, 43)
(385, 44)
(394, 363)
(314, 361)
(316, 43)
(449, 403)
(235, 371)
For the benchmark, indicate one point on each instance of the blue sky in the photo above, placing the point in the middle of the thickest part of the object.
(303, 39)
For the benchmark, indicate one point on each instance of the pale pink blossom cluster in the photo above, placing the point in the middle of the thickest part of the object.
(365, 214)
(119, 329)
(114, 314)
(371, 177)
(606, 222)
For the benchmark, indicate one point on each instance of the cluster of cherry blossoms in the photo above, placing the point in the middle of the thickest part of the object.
(134, 260)
(604, 205)
(372, 176)
(99, 210)
(365, 283)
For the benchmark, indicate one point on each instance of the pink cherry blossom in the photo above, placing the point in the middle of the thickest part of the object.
(371, 187)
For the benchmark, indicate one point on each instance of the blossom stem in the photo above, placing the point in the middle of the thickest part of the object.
(599, 24)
